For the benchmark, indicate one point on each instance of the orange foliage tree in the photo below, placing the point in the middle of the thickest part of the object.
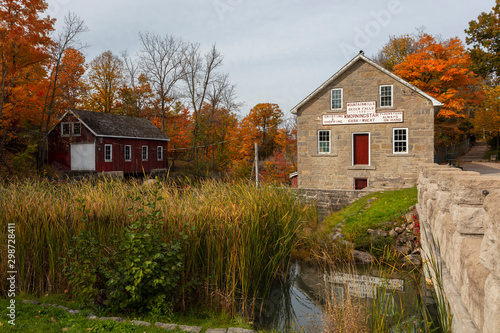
(443, 70)
(24, 46)
(487, 117)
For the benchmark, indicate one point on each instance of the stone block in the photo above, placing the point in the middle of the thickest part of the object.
(475, 275)
(490, 247)
(469, 189)
(468, 219)
(444, 179)
(443, 200)
(491, 305)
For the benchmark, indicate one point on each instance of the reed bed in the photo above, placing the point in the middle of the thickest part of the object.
(239, 238)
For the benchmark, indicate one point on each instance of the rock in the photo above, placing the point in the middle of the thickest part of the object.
(149, 182)
(336, 236)
(117, 319)
(399, 230)
(168, 327)
(73, 311)
(239, 330)
(393, 233)
(91, 316)
(412, 259)
(30, 301)
(403, 249)
(362, 257)
(378, 233)
(191, 329)
(140, 323)
(409, 217)
(216, 330)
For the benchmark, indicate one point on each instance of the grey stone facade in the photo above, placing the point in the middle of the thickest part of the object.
(360, 81)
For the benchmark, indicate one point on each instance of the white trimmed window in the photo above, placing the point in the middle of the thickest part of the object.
(108, 153)
(65, 129)
(323, 142)
(77, 129)
(386, 96)
(144, 153)
(400, 140)
(159, 153)
(128, 153)
(337, 99)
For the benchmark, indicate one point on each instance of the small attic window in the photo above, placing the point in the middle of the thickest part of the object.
(77, 129)
(337, 99)
(386, 96)
(65, 129)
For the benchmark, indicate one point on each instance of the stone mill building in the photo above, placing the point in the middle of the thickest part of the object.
(364, 128)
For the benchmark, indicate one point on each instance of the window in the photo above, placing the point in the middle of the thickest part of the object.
(77, 129)
(336, 99)
(400, 140)
(159, 153)
(108, 153)
(323, 142)
(360, 183)
(144, 153)
(128, 153)
(385, 96)
(65, 129)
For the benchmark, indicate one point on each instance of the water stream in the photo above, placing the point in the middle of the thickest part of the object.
(298, 304)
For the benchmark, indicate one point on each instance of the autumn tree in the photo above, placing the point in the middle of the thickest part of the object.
(105, 78)
(67, 39)
(487, 117)
(395, 51)
(442, 69)
(24, 47)
(161, 60)
(266, 118)
(199, 73)
(483, 36)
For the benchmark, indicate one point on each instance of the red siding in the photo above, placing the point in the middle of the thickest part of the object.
(59, 154)
(136, 165)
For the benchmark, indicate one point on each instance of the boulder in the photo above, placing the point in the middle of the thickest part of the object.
(362, 257)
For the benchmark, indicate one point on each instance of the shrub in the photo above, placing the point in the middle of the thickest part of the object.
(137, 271)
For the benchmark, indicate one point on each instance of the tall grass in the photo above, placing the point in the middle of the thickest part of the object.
(239, 238)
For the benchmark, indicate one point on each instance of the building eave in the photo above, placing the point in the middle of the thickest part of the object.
(435, 103)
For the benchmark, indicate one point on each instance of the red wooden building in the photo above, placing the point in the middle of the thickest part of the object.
(97, 141)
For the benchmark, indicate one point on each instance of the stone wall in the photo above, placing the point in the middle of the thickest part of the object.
(331, 200)
(387, 170)
(460, 218)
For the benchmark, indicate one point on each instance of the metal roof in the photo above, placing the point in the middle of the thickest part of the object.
(118, 126)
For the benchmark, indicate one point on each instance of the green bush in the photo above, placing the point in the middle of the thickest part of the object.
(137, 270)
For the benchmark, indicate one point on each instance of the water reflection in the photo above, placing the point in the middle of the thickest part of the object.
(298, 305)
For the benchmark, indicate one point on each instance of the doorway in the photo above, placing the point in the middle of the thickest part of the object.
(361, 149)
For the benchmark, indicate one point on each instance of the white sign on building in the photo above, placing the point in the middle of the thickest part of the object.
(362, 113)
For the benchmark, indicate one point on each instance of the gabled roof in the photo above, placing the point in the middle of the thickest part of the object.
(117, 126)
(361, 57)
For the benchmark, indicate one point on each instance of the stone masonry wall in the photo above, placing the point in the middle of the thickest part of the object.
(460, 216)
(360, 83)
(332, 200)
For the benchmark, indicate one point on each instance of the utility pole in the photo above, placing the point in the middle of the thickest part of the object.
(256, 165)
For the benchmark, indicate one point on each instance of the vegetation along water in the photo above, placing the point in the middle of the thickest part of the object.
(157, 250)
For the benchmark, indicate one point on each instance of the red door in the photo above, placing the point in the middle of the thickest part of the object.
(361, 149)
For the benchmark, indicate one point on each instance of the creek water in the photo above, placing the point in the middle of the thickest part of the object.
(298, 305)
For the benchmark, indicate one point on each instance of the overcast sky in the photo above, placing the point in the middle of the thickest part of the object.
(275, 51)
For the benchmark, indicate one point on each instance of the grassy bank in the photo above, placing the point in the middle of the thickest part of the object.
(380, 210)
(234, 239)
(43, 318)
